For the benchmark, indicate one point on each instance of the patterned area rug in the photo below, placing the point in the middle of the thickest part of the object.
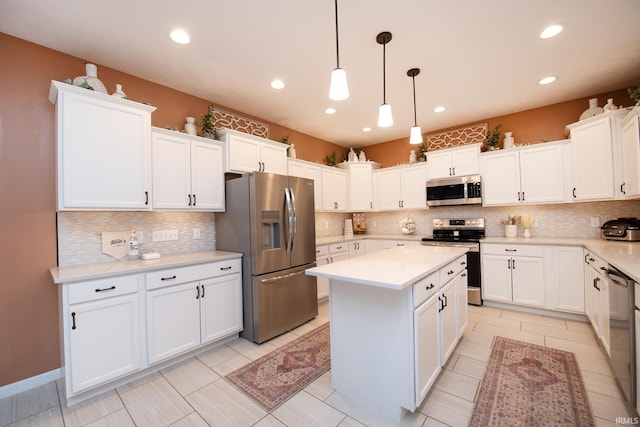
(277, 376)
(531, 385)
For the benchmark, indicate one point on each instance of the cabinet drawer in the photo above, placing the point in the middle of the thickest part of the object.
(596, 262)
(504, 249)
(338, 247)
(174, 276)
(388, 244)
(103, 288)
(426, 287)
(322, 250)
(452, 269)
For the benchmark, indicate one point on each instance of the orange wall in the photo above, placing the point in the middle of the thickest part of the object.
(528, 127)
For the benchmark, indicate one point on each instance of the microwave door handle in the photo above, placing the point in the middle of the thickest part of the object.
(294, 229)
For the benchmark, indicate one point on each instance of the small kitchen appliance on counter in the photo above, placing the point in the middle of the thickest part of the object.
(466, 232)
(627, 229)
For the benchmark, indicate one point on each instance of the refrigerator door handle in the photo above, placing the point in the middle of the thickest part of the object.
(282, 277)
(294, 230)
(287, 197)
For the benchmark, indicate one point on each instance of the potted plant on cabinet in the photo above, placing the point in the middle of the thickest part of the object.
(208, 125)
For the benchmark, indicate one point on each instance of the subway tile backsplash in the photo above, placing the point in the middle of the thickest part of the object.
(561, 220)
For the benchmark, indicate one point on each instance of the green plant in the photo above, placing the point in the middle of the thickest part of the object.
(284, 139)
(208, 124)
(493, 137)
(422, 150)
(330, 159)
(634, 94)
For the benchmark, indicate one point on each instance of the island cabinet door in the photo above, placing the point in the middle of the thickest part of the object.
(427, 349)
(448, 321)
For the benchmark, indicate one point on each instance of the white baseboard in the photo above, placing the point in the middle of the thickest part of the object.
(29, 383)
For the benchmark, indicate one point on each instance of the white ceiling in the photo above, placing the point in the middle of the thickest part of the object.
(479, 59)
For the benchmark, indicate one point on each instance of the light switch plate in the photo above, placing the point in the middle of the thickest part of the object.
(595, 222)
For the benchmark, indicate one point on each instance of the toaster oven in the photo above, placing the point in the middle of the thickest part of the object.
(627, 229)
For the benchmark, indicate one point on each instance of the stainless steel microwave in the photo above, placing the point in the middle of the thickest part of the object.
(455, 190)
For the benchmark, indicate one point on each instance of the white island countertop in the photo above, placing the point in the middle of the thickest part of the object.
(78, 273)
(394, 268)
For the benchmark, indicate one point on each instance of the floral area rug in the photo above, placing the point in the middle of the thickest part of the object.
(275, 377)
(531, 385)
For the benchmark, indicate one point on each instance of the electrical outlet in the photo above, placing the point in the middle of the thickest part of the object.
(195, 233)
(595, 222)
(165, 235)
(535, 223)
(140, 236)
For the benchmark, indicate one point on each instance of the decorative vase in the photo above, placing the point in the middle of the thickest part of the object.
(412, 156)
(362, 157)
(526, 232)
(91, 79)
(119, 93)
(510, 230)
(593, 109)
(609, 105)
(508, 140)
(190, 126)
(292, 151)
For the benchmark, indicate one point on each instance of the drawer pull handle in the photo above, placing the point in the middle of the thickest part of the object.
(431, 286)
(603, 268)
(106, 289)
(226, 268)
(463, 263)
(511, 250)
(73, 320)
(450, 272)
(168, 278)
(464, 274)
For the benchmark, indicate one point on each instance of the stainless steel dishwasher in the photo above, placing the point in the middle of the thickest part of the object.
(622, 332)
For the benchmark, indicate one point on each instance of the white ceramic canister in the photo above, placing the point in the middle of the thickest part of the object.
(412, 156)
(508, 140)
(510, 230)
(190, 126)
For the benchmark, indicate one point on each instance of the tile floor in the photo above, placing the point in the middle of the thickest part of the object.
(194, 392)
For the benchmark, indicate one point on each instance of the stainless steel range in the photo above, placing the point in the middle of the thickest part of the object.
(465, 232)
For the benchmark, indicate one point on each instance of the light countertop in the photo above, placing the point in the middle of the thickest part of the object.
(78, 273)
(340, 238)
(394, 268)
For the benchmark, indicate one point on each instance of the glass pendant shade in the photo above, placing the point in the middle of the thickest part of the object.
(339, 90)
(416, 135)
(385, 118)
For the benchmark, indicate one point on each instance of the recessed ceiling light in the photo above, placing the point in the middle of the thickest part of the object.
(550, 31)
(277, 84)
(330, 110)
(366, 129)
(180, 36)
(547, 80)
(439, 109)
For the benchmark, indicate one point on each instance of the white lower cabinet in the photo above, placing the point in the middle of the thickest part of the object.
(356, 248)
(101, 331)
(448, 319)
(105, 323)
(597, 291)
(183, 313)
(513, 273)
(427, 352)
(566, 286)
(326, 254)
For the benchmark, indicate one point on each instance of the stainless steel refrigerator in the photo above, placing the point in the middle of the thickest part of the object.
(270, 219)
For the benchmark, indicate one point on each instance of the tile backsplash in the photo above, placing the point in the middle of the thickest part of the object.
(80, 239)
(561, 220)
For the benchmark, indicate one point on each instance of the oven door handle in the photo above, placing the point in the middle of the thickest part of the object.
(616, 277)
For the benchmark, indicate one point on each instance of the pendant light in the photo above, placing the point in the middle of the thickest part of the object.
(339, 90)
(385, 118)
(416, 132)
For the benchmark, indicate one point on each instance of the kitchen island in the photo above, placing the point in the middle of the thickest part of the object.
(396, 316)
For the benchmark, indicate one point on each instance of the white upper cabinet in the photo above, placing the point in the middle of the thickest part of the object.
(458, 161)
(104, 148)
(630, 148)
(248, 153)
(401, 187)
(592, 156)
(334, 189)
(187, 172)
(360, 185)
(304, 169)
(527, 175)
